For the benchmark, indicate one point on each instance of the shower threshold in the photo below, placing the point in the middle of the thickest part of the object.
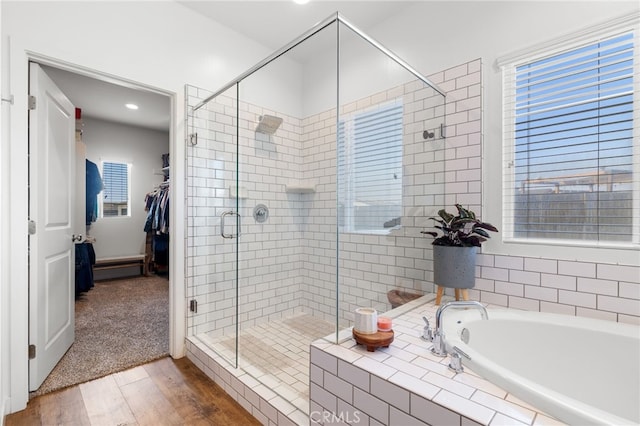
(273, 361)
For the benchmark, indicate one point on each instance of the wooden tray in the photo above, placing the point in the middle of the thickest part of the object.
(375, 340)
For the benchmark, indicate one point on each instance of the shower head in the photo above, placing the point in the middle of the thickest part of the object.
(268, 124)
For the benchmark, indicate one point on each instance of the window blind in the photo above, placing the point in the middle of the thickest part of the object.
(370, 169)
(569, 121)
(116, 189)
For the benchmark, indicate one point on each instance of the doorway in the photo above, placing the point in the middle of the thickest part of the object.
(110, 136)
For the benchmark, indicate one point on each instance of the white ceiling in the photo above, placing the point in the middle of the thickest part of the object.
(106, 101)
(270, 23)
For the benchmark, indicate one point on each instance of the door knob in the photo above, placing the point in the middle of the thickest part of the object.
(77, 238)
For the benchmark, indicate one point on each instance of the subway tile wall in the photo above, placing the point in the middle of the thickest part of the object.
(598, 290)
(270, 258)
(369, 266)
(288, 264)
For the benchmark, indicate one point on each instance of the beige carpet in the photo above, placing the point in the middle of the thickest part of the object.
(119, 324)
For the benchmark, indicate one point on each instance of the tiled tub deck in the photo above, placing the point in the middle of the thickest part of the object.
(405, 384)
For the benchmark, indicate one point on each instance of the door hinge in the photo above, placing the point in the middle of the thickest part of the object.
(32, 351)
(193, 305)
(32, 102)
(32, 227)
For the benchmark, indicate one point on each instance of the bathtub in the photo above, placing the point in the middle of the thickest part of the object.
(579, 370)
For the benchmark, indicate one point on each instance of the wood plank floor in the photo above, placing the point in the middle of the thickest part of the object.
(163, 392)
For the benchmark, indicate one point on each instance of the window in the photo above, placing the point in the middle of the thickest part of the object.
(115, 196)
(570, 118)
(370, 169)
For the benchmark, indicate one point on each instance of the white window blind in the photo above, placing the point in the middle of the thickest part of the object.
(115, 200)
(370, 169)
(569, 144)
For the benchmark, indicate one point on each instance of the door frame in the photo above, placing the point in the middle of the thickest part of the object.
(15, 245)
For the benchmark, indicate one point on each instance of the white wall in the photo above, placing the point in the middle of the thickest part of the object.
(434, 36)
(143, 149)
(568, 281)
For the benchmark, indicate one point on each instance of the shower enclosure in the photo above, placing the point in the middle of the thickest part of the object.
(310, 177)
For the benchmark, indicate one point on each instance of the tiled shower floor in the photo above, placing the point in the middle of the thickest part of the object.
(276, 354)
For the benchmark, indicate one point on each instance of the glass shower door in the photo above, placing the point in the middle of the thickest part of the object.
(227, 202)
(214, 222)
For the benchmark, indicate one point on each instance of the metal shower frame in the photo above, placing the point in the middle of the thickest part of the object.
(336, 17)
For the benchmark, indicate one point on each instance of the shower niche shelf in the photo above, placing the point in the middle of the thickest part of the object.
(237, 192)
(300, 188)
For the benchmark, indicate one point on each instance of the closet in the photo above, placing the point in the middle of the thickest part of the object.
(135, 188)
(87, 209)
(156, 224)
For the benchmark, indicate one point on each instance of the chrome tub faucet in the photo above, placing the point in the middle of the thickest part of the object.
(437, 337)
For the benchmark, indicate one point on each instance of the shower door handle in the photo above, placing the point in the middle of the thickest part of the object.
(222, 219)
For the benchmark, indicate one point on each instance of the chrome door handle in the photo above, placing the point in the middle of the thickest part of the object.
(222, 219)
(76, 238)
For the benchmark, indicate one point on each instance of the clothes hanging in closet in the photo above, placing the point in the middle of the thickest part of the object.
(157, 224)
(157, 207)
(93, 188)
(85, 261)
(85, 254)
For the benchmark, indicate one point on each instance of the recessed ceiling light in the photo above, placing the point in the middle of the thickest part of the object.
(131, 106)
(301, 1)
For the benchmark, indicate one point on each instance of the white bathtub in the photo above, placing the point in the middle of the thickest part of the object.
(579, 370)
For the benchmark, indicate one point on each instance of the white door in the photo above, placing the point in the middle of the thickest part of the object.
(52, 207)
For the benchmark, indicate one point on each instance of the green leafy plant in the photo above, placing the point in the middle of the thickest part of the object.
(463, 230)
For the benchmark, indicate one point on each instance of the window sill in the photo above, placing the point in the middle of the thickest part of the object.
(566, 250)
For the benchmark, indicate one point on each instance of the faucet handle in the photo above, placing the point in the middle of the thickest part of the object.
(456, 363)
(427, 332)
